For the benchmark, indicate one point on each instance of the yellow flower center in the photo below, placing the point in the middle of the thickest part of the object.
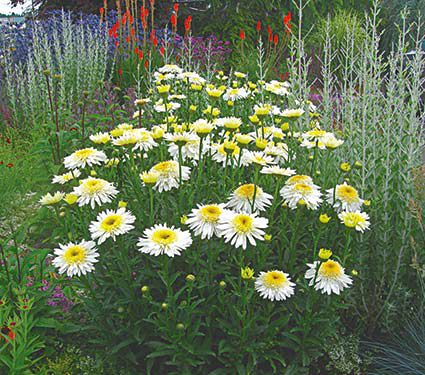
(75, 255)
(316, 133)
(164, 167)
(330, 269)
(247, 191)
(111, 223)
(303, 188)
(347, 193)
(84, 153)
(352, 219)
(210, 213)
(242, 223)
(164, 236)
(274, 279)
(299, 178)
(93, 186)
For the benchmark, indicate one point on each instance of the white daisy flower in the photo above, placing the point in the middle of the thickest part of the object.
(95, 191)
(259, 158)
(313, 144)
(170, 68)
(301, 193)
(278, 171)
(168, 175)
(100, 138)
(279, 152)
(204, 219)
(230, 123)
(274, 285)
(357, 220)
(241, 199)
(237, 228)
(170, 106)
(111, 223)
(234, 94)
(189, 143)
(145, 141)
(86, 156)
(330, 277)
(346, 198)
(76, 258)
(49, 199)
(220, 155)
(330, 141)
(292, 113)
(161, 239)
(277, 87)
(66, 177)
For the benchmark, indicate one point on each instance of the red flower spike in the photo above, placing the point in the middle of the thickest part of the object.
(162, 51)
(242, 34)
(176, 7)
(155, 42)
(269, 30)
(140, 55)
(187, 23)
(120, 72)
(258, 25)
(276, 39)
(271, 37)
(146, 64)
(101, 11)
(173, 20)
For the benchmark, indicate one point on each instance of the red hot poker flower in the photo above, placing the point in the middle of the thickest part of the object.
(242, 34)
(173, 20)
(101, 10)
(276, 39)
(176, 7)
(287, 22)
(258, 25)
(187, 23)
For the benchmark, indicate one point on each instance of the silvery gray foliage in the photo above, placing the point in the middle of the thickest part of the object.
(78, 55)
(378, 106)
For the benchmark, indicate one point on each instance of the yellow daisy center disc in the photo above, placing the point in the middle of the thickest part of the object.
(330, 269)
(247, 191)
(242, 223)
(210, 213)
(164, 236)
(347, 193)
(84, 153)
(111, 223)
(303, 188)
(274, 279)
(75, 254)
